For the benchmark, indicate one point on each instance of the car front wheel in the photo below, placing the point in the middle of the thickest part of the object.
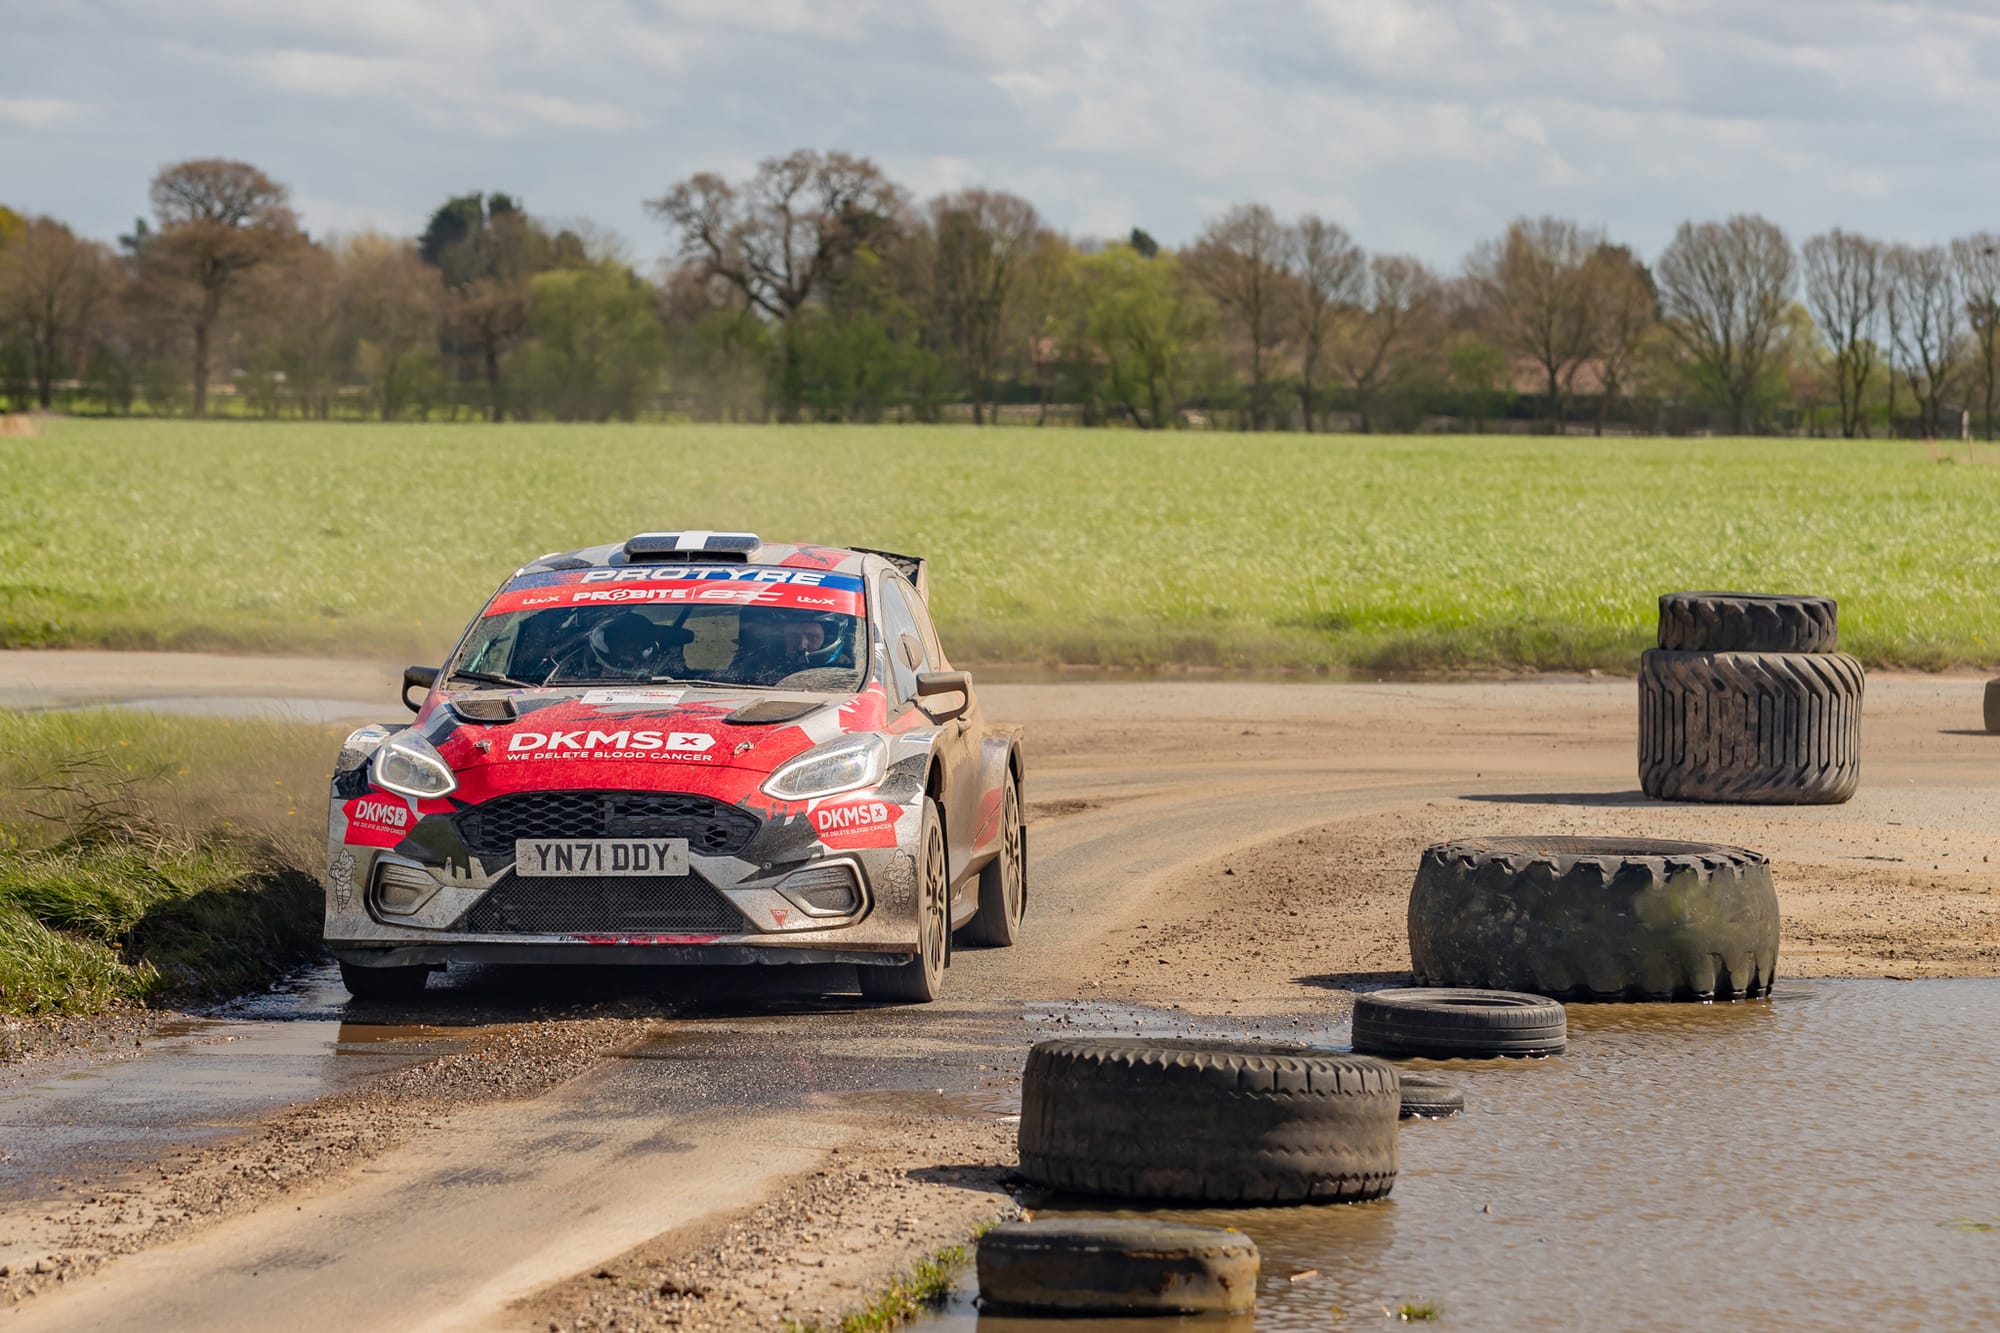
(920, 980)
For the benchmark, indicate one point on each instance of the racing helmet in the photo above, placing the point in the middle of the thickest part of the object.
(625, 645)
(776, 629)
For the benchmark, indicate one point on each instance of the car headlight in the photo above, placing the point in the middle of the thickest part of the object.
(837, 766)
(409, 765)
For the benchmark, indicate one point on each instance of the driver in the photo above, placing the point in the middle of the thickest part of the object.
(774, 642)
(622, 646)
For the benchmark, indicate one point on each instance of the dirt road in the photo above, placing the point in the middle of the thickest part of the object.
(1225, 857)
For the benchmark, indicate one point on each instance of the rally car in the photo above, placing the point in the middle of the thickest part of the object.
(687, 747)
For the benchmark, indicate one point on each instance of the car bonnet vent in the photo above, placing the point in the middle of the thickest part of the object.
(651, 548)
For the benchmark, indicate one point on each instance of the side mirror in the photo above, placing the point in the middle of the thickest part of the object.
(421, 677)
(932, 684)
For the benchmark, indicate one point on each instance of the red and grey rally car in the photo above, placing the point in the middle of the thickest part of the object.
(688, 747)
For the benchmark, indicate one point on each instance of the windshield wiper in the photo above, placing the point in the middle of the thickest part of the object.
(490, 678)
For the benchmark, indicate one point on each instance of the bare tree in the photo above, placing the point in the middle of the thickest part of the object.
(1977, 259)
(781, 236)
(1534, 295)
(52, 285)
(1927, 328)
(982, 240)
(218, 220)
(1725, 287)
(1625, 318)
(1329, 272)
(395, 302)
(1375, 334)
(1843, 281)
(1240, 259)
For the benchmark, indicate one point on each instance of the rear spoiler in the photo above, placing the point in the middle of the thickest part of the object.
(912, 567)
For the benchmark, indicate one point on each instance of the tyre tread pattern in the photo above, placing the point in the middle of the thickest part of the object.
(1208, 1121)
(1750, 728)
(1595, 918)
(1448, 1022)
(1735, 622)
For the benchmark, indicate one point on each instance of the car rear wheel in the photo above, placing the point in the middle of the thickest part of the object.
(383, 983)
(1003, 884)
(920, 980)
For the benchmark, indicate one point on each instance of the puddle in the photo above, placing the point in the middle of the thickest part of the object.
(193, 1082)
(1827, 1159)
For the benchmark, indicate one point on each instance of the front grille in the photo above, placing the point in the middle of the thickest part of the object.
(676, 905)
(711, 827)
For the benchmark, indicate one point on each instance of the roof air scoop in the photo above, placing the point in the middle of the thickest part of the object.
(659, 547)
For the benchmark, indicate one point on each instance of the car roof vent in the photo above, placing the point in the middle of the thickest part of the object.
(651, 548)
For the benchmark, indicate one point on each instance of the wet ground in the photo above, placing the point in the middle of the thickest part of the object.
(1827, 1159)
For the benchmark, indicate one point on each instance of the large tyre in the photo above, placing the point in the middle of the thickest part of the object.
(1101, 1265)
(1207, 1121)
(920, 980)
(1750, 728)
(383, 983)
(1003, 884)
(1993, 705)
(1595, 918)
(1471, 1024)
(1742, 622)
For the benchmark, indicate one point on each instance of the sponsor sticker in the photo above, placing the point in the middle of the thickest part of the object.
(661, 698)
(741, 585)
(378, 820)
(856, 823)
(625, 743)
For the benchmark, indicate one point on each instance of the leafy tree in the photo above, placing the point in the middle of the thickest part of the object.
(1147, 321)
(1376, 340)
(1330, 271)
(394, 302)
(982, 241)
(1242, 260)
(53, 285)
(1725, 288)
(598, 349)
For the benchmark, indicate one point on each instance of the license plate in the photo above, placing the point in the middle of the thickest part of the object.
(541, 857)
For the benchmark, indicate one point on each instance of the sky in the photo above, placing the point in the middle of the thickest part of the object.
(1423, 126)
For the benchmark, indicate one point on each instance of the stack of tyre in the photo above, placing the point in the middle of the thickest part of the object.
(1748, 700)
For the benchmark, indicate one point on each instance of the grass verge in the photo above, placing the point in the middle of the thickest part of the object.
(1374, 554)
(906, 1296)
(130, 882)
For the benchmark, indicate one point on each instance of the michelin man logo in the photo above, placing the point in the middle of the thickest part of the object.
(340, 874)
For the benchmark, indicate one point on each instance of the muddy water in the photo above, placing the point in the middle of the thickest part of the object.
(1829, 1159)
(196, 1082)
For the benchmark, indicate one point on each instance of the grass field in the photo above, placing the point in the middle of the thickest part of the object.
(145, 857)
(1373, 554)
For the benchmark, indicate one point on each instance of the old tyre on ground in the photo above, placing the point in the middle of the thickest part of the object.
(1455, 1022)
(1750, 728)
(383, 983)
(1595, 918)
(1744, 622)
(1427, 1099)
(1993, 705)
(1116, 1266)
(1207, 1121)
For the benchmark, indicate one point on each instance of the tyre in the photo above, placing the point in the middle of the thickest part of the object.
(1426, 1099)
(1742, 622)
(920, 980)
(1207, 1121)
(383, 983)
(1116, 1266)
(1750, 728)
(1443, 1023)
(1003, 884)
(1993, 705)
(1595, 918)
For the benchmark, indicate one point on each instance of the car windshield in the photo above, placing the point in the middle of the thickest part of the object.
(738, 625)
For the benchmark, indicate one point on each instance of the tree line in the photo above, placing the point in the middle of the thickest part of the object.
(816, 288)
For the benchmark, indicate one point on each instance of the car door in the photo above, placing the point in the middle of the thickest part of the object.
(913, 650)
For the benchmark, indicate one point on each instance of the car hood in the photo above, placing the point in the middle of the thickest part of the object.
(633, 737)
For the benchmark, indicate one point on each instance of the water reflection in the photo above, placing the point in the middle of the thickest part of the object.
(1824, 1159)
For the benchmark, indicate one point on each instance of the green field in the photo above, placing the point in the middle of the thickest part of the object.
(1372, 554)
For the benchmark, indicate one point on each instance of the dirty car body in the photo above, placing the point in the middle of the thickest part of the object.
(682, 748)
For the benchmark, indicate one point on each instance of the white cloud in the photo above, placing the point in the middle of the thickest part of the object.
(37, 113)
